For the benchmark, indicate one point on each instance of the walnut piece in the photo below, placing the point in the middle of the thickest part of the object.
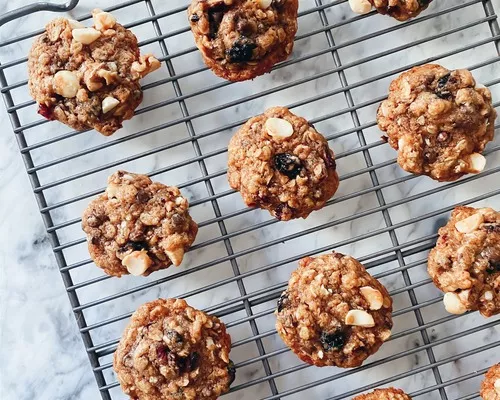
(146, 64)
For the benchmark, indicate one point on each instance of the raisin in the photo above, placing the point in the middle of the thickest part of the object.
(231, 370)
(333, 340)
(215, 16)
(282, 301)
(288, 164)
(195, 18)
(281, 209)
(442, 91)
(174, 336)
(133, 246)
(424, 3)
(46, 112)
(330, 160)
(142, 196)
(493, 267)
(189, 363)
(162, 354)
(241, 51)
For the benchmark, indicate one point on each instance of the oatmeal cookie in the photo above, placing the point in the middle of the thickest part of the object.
(490, 387)
(242, 39)
(171, 351)
(439, 121)
(334, 313)
(465, 264)
(384, 394)
(138, 226)
(88, 77)
(279, 162)
(401, 10)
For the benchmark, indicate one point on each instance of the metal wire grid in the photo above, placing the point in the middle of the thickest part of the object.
(250, 306)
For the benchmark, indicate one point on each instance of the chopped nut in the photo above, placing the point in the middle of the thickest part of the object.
(470, 224)
(477, 162)
(137, 262)
(488, 296)
(360, 6)
(112, 190)
(109, 103)
(359, 318)
(497, 385)
(373, 297)
(86, 35)
(453, 304)
(74, 24)
(66, 84)
(176, 256)
(109, 76)
(103, 20)
(265, 3)
(385, 335)
(321, 354)
(278, 128)
(146, 64)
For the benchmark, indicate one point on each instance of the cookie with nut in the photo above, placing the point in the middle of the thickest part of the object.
(88, 77)
(138, 226)
(490, 386)
(384, 394)
(401, 10)
(333, 312)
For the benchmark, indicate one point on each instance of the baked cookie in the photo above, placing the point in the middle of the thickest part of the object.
(465, 264)
(334, 312)
(138, 226)
(88, 77)
(172, 351)
(279, 162)
(490, 387)
(402, 10)
(242, 39)
(384, 394)
(439, 121)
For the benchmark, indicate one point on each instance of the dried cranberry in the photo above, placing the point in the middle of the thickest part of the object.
(162, 353)
(241, 51)
(288, 164)
(46, 112)
(333, 340)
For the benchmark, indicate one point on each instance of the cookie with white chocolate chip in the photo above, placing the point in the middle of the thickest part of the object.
(401, 10)
(384, 394)
(242, 39)
(334, 313)
(171, 351)
(88, 77)
(490, 387)
(279, 162)
(465, 264)
(439, 121)
(138, 226)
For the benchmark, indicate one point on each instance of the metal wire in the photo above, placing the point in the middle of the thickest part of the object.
(249, 307)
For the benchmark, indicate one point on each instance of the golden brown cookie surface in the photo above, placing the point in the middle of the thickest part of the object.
(465, 264)
(278, 162)
(171, 351)
(384, 394)
(490, 387)
(242, 39)
(88, 77)
(439, 121)
(334, 313)
(402, 10)
(138, 226)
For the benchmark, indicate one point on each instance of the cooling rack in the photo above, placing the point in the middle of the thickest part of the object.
(240, 263)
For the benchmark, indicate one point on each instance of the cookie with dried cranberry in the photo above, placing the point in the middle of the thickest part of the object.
(242, 39)
(334, 313)
(384, 394)
(401, 10)
(280, 163)
(171, 351)
(138, 226)
(88, 77)
(490, 387)
(439, 121)
(465, 264)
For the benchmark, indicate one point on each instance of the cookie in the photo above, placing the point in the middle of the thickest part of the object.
(171, 351)
(333, 312)
(138, 226)
(401, 10)
(279, 162)
(490, 387)
(384, 394)
(439, 121)
(465, 264)
(242, 39)
(88, 77)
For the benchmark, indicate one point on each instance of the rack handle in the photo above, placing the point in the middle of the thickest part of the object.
(35, 7)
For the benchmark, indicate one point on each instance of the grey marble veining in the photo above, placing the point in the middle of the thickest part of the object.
(39, 339)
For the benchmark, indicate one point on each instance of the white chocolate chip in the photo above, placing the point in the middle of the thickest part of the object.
(488, 296)
(497, 385)
(210, 343)
(477, 162)
(321, 354)
(470, 224)
(385, 335)
(86, 35)
(360, 6)
(74, 24)
(359, 318)
(112, 190)
(103, 20)
(66, 84)
(264, 4)
(373, 297)
(176, 256)
(453, 304)
(278, 128)
(108, 104)
(137, 262)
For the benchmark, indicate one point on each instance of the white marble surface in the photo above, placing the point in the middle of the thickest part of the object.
(43, 355)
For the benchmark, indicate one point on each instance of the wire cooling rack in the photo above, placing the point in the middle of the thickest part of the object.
(339, 73)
